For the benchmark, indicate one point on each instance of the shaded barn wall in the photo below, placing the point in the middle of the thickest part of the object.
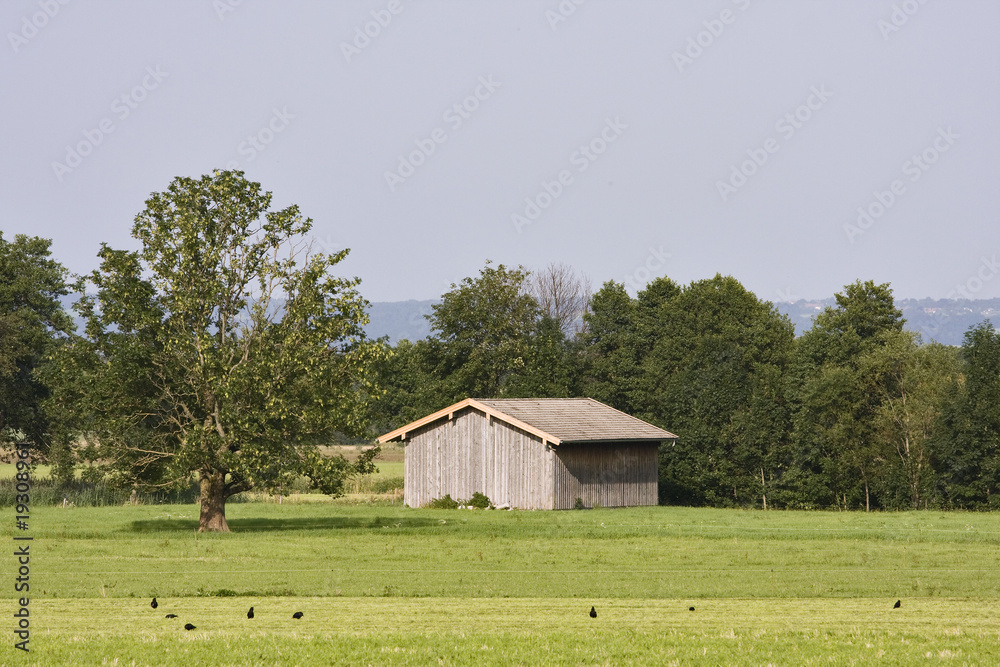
(473, 453)
(620, 474)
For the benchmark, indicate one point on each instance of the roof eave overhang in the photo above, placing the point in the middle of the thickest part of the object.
(611, 440)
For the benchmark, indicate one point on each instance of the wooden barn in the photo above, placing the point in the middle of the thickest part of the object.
(538, 453)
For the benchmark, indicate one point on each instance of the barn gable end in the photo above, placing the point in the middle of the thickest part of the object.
(473, 452)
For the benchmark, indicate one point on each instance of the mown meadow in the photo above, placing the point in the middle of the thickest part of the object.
(379, 583)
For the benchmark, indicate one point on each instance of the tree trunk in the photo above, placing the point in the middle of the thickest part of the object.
(213, 503)
(763, 490)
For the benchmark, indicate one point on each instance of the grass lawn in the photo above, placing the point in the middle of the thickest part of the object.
(391, 585)
(9, 471)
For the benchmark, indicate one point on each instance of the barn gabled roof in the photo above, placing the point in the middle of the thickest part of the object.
(554, 420)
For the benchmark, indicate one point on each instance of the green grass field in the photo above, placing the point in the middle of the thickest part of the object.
(383, 584)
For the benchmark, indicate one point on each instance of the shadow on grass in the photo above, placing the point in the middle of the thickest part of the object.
(277, 525)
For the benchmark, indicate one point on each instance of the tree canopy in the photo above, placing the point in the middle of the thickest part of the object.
(228, 351)
(32, 322)
(224, 347)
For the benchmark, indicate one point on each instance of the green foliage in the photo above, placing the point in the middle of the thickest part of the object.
(550, 368)
(479, 501)
(713, 377)
(838, 384)
(578, 505)
(32, 325)
(482, 327)
(855, 413)
(967, 452)
(445, 503)
(222, 347)
(490, 340)
(611, 353)
(51, 492)
(916, 381)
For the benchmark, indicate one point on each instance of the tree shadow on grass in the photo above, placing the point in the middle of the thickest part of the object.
(289, 524)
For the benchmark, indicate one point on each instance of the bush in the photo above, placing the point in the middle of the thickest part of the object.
(578, 505)
(446, 503)
(479, 501)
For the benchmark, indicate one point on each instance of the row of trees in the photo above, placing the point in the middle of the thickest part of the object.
(226, 349)
(855, 413)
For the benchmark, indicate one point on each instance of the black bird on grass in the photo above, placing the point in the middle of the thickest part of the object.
(297, 614)
(690, 608)
(153, 604)
(897, 605)
(188, 626)
(593, 613)
(250, 613)
(171, 615)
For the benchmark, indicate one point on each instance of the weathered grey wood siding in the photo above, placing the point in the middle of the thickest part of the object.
(620, 474)
(470, 453)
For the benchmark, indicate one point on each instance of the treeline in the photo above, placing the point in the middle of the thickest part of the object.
(854, 414)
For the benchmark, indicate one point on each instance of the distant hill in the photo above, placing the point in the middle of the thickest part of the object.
(395, 319)
(399, 320)
(943, 320)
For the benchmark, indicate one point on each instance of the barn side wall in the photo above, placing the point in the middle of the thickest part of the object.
(472, 453)
(620, 474)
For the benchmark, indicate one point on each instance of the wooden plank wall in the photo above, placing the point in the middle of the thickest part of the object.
(472, 453)
(608, 474)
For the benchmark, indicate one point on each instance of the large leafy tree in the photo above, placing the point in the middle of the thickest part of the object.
(481, 333)
(911, 383)
(411, 386)
(490, 340)
(837, 399)
(32, 322)
(967, 453)
(551, 364)
(713, 376)
(611, 356)
(224, 347)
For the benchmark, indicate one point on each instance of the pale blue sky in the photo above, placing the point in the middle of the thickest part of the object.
(614, 122)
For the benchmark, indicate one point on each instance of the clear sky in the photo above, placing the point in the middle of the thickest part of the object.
(796, 145)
